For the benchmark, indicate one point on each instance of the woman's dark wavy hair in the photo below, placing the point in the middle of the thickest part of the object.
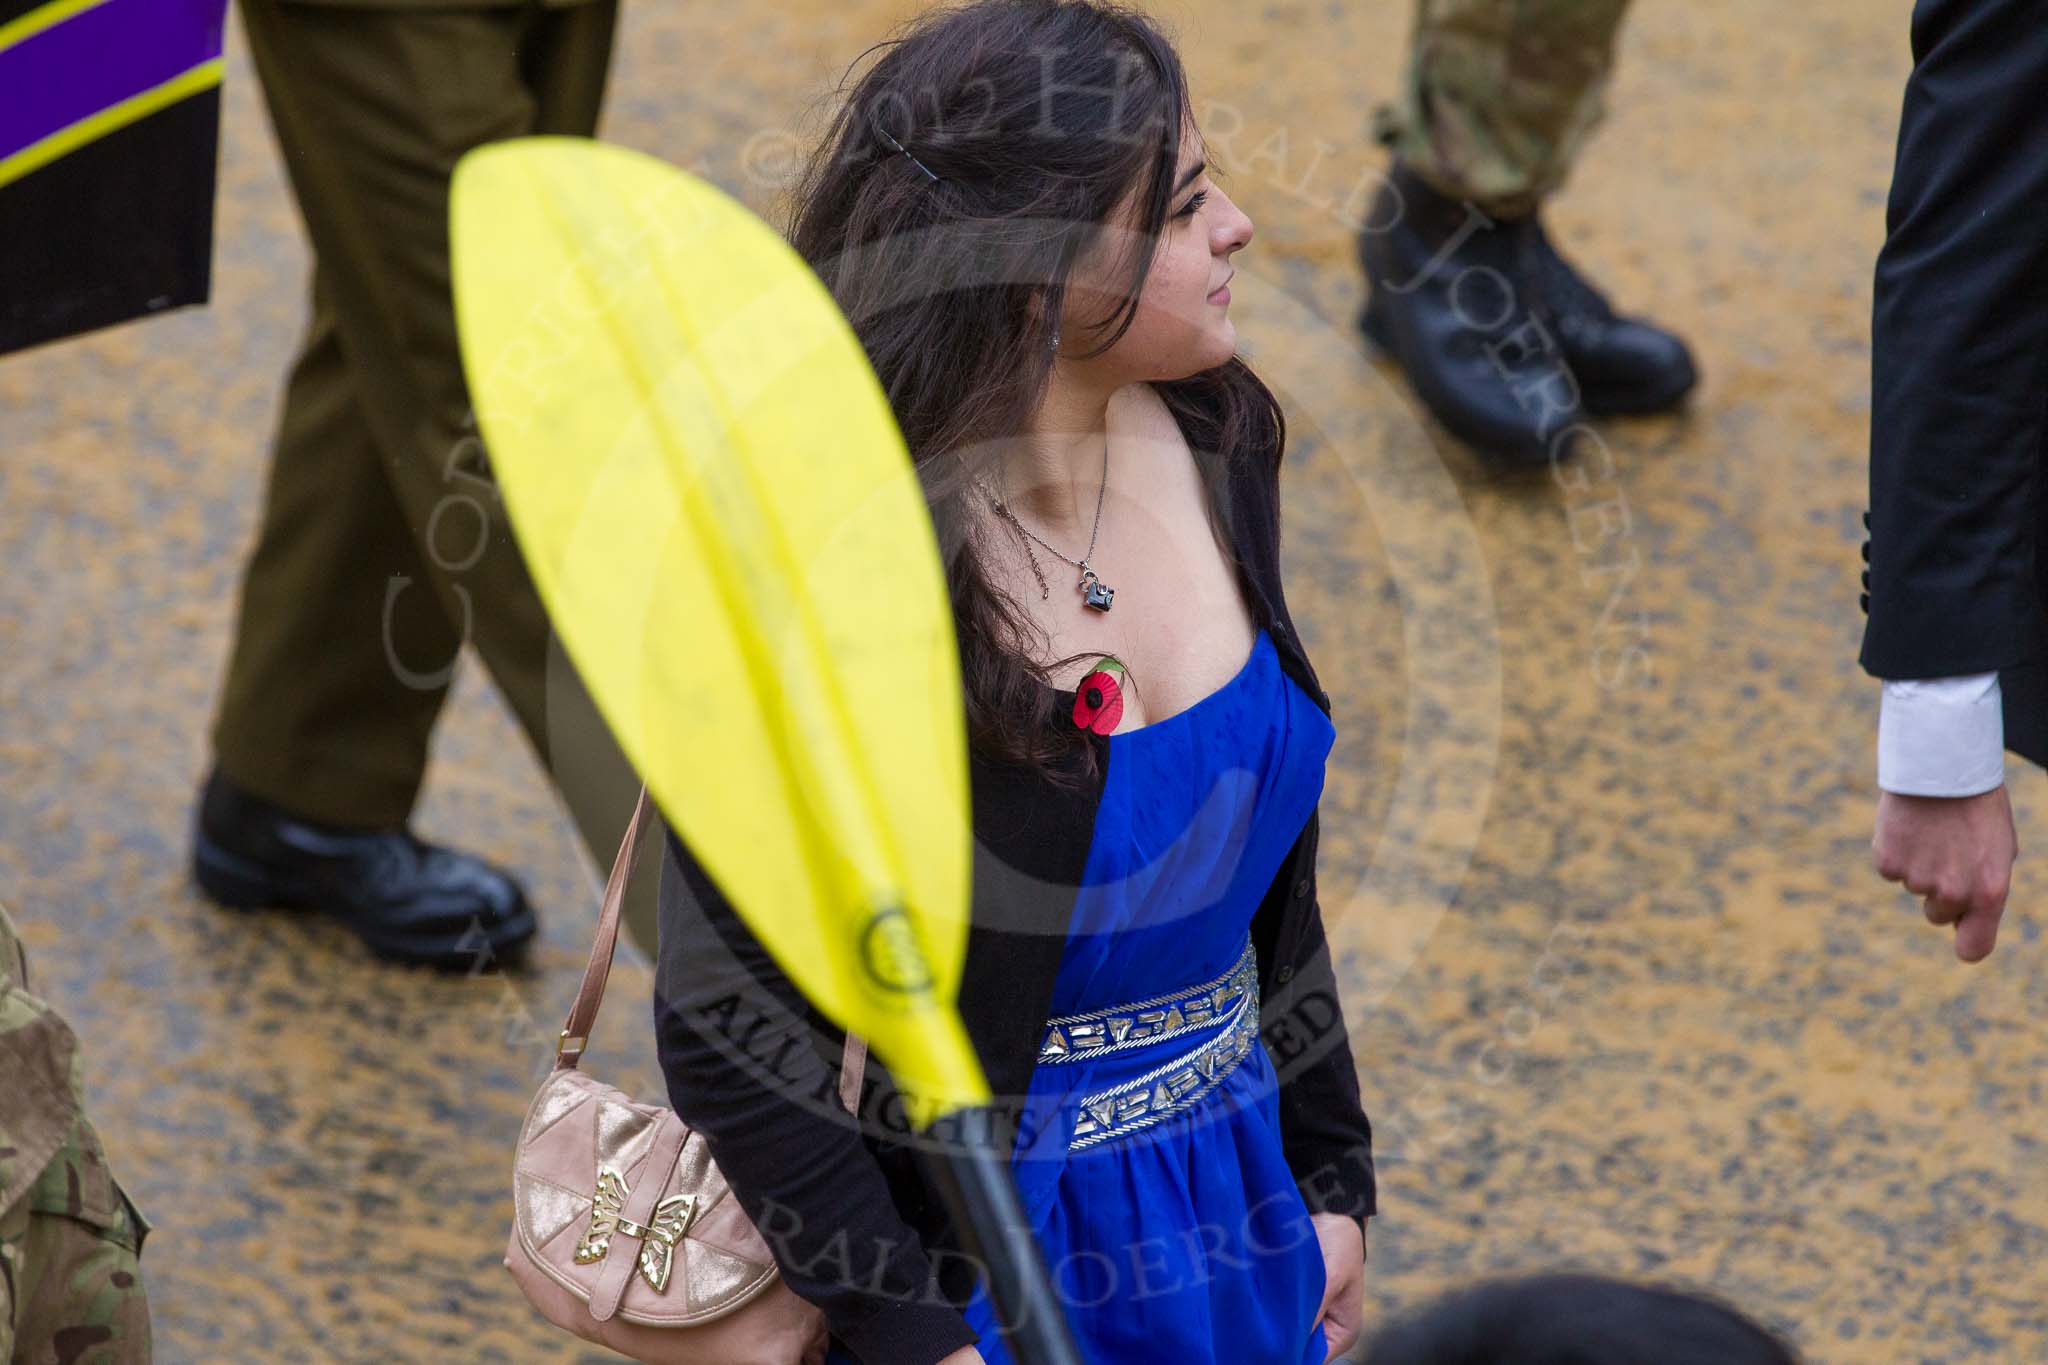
(1023, 125)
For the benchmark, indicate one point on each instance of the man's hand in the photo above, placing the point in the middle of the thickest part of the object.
(1956, 853)
(1343, 1307)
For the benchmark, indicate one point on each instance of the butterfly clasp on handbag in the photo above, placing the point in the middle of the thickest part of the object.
(672, 1217)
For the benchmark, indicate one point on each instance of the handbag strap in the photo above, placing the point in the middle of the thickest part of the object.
(590, 994)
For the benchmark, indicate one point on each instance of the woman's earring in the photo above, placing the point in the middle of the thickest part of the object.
(1055, 338)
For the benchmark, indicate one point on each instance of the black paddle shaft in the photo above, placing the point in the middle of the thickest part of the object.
(975, 1180)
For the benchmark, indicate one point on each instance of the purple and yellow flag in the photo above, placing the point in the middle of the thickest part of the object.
(109, 124)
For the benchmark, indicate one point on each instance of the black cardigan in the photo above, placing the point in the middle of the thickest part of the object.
(854, 1226)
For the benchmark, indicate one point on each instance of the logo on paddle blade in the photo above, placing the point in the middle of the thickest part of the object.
(890, 952)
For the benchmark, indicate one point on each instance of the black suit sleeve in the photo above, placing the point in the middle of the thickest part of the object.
(735, 1040)
(1960, 350)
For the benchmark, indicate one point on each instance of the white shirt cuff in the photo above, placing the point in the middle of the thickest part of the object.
(1941, 736)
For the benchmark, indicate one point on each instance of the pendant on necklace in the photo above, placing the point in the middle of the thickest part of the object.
(1094, 592)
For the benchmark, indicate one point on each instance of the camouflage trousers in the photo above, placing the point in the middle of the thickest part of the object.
(1500, 95)
(71, 1291)
(70, 1240)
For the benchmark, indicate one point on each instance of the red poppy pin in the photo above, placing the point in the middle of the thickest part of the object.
(1099, 700)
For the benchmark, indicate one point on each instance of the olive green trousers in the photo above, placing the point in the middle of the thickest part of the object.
(383, 549)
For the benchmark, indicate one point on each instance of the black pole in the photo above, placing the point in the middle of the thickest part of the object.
(975, 1180)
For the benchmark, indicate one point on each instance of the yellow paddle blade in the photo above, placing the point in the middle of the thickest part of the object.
(713, 497)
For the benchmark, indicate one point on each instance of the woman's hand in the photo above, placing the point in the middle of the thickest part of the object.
(1343, 1310)
(966, 1355)
(819, 1345)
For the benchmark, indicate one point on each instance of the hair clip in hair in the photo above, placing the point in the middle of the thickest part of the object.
(896, 146)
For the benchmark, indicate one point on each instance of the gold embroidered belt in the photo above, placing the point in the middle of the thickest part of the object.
(1230, 1000)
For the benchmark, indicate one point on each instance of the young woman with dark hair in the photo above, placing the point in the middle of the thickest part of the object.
(1014, 209)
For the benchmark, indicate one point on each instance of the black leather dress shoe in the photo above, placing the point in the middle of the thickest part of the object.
(1624, 365)
(408, 900)
(1447, 300)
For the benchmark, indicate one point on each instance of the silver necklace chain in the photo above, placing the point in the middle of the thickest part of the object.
(1095, 593)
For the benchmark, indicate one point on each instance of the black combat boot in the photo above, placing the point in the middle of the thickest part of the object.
(1449, 300)
(1623, 365)
(408, 900)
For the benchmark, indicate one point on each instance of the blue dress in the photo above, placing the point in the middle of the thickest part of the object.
(1173, 1228)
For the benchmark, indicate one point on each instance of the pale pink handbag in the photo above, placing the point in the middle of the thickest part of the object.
(623, 1230)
